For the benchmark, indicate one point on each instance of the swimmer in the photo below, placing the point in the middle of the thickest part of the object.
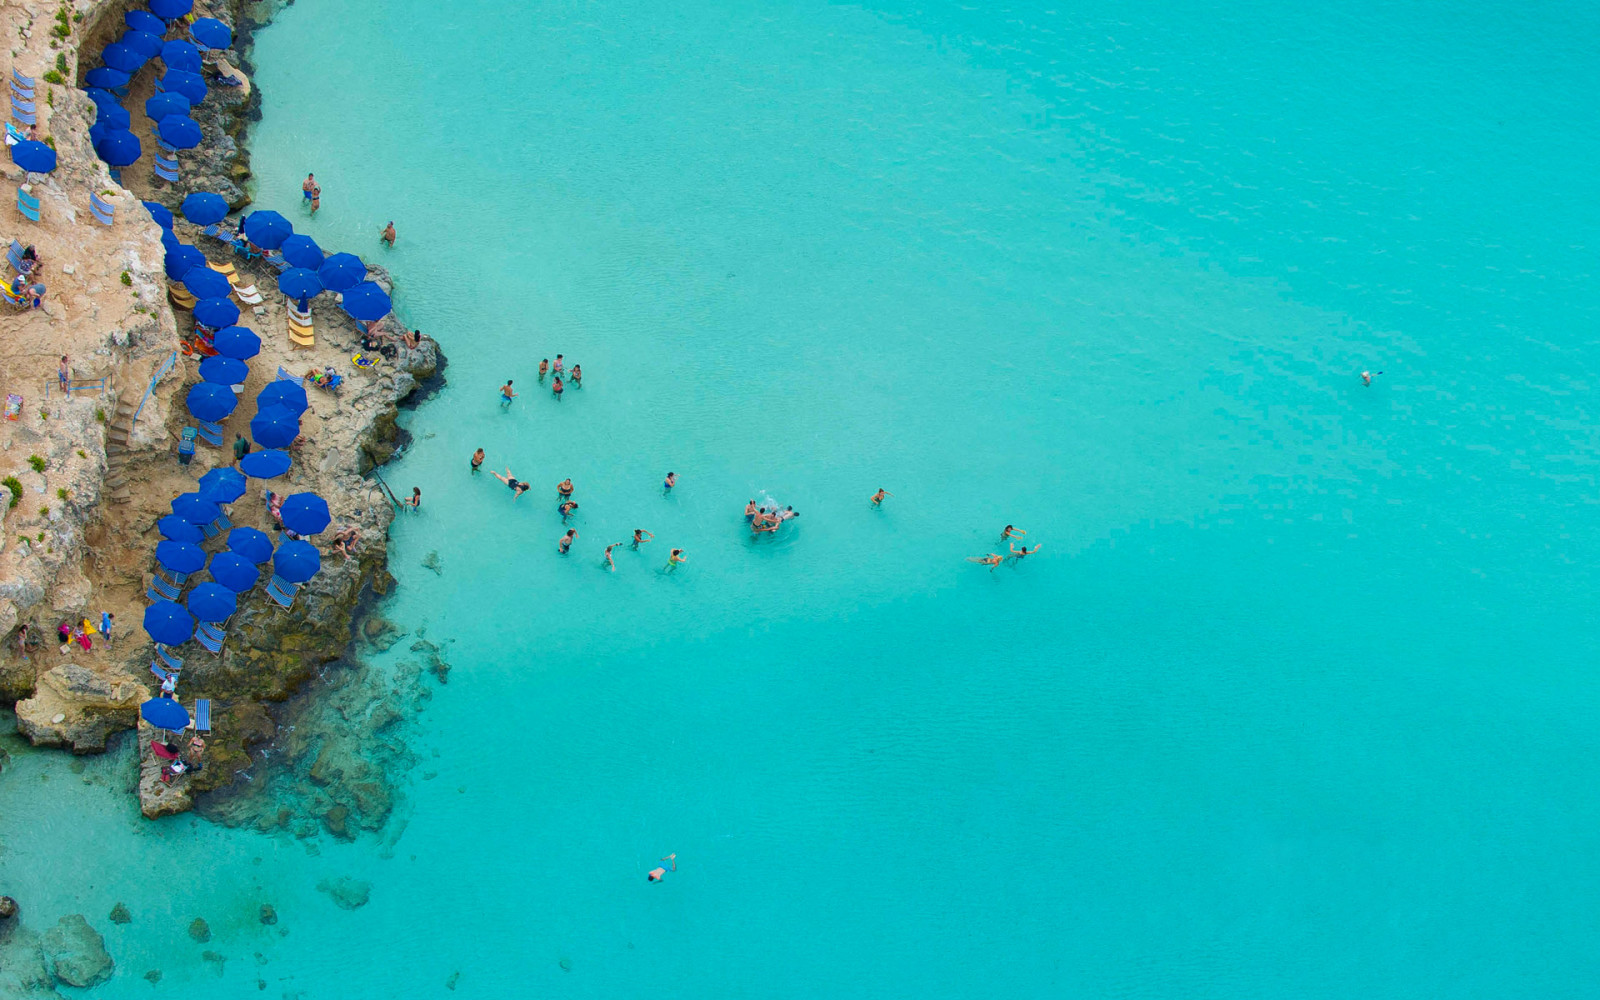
(1017, 553)
(477, 460)
(750, 510)
(517, 486)
(991, 560)
(877, 498)
(675, 557)
(640, 536)
(507, 394)
(566, 509)
(564, 489)
(556, 388)
(612, 566)
(1011, 531)
(673, 860)
(544, 368)
(655, 874)
(1367, 377)
(567, 540)
(414, 501)
(669, 483)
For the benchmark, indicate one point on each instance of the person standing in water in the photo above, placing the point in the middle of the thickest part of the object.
(612, 566)
(565, 544)
(388, 235)
(576, 377)
(557, 368)
(750, 511)
(674, 559)
(564, 489)
(316, 198)
(307, 186)
(641, 536)
(1367, 377)
(1017, 554)
(877, 498)
(556, 388)
(544, 368)
(669, 483)
(566, 508)
(477, 460)
(507, 394)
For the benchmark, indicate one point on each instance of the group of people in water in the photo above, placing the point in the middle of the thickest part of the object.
(563, 377)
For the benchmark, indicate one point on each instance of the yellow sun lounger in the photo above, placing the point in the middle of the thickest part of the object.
(302, 335)
(181, 297)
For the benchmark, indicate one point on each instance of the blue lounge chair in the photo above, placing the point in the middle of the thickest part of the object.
(215, 232)
(167, 147)
(162, 590)
(202, 715)
(14, 256)
(211, 434)
(167, 657)
(166, 169)
(161, 675)
(284, 375)
(23, 112)
(222, 523)
(25, 103)
(28, 205)
(14, 135)
(282, 591)
(103, 211)
(211, 640)
(276, 261)
(116, 175)
(22, 84)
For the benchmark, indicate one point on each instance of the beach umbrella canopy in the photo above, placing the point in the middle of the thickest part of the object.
(96, 133)
(182, 259)
(180, 557)
(248, 542)
(106, 78)
(118, 147)
(166, 103)
(298, 282)
(236, 572)
(212, 602)
(190, 85)
(224, 370)
(100, 96)
(302, 251)
(203, 208)
(267, 229)
(203, 283)
(112, 117)
(120, 57)
(143, 42)
(170, 241)
(176, 528)
(341, 271)
(367, 301)
(222, 484)
(35, 157)
(284, 393)
(143, 20)
(195, 509)
(164, 713)
(161, 214)
(171, 10)
(211, 402)
(305, 513)
(211, 33)
(170, 625)
(178, 54)
(296, 561)
(265, 465)
(275, 427)
(237, 342)
(216, 313)
(180, 131)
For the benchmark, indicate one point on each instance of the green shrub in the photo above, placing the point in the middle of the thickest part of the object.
(37, 463)
(13, 484)
(127, 279)
(50, 141)
(82, 453)
(61, 63)
(61, 492)
(44, 511)
(99, 415)
(41, 536)
(61, 30)
(54, 76)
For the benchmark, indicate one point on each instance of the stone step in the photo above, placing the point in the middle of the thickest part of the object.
(116, 480)
(113, 448)
(123, 497)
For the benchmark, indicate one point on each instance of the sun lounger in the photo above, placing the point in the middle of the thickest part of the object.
(25, 103)
(168, 658)
(181, 297)
(14, 135)
(103, 211)
(225, 269)
(276, 261)
(282, 591)
(167, 169)
(211, 641)
(14, 256)
(302, 336)
(22, 111)
(211, 434)
(285, 375)
(161, 675)
(245, 290)
(161, 751)
(222, 523)
(28, 205)
(22, 84)
(162, 590)
(202, 716)
(216, 232)
(167, 147)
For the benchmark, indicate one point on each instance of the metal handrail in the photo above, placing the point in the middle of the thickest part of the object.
(74, 384)
(161, 370)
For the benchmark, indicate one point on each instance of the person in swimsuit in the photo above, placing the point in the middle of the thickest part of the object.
(669, 483)
(1367, 377)
(609, 564)
(566, 509)
(415, 500)
(564, 489)
(671, 859)
(307, 185)
(1017, 553)
(567, 540)
(517, 486)
(576, 377)
(991, 560)
(750, 512)
(787, 513)
(388, 234)
(556, 388)
(877, 498)
(640, 536)
(507, 394)
(1011, 531)
(559, 365)
(544, 368)
(675, 557)
(477, 460)
(656, 874)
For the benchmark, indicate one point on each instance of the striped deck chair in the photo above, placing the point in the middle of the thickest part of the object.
(161, 590)
(215, 232)
(167, 169)
(211, 434)
(28, 205)
(221, 523)
(302, 336)
(209, 638)
(22, 84)
(103, 211)
(162, 675)
(14, 256)
(287, 376)
(202, 716)
(22, 111)
(186, 445)
(276, 261)
(181, 297)
(282, 591)
(168, 657)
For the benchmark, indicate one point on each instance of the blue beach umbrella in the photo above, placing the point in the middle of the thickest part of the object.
(162, 214)
(190, 85)
(112, 117)
(236, 572)
(96, 133)
(182, 259)
(107, 78)
(203, 208)
(178, 54)
(203, 283)
(166, 103)
(298, 283)
(100, 96)
(164, 713)
(143, 20)
(122, 58)
(253, 545)
(341, 271)
(195, 509)
(296, 561)
(34, 157)
(211, 402)
(275, 427)
(302, 251)
(211, 33)
(178, 530)
(284, 393)
(216, 313)
(142, 42)
(180, 131)
(267, 229)
(222, 484)
(305, 513)
(212, 602)
(237, 342)
(180, 557)
(169, 241)
(170, 625)
(171, 10)
(118, 147)
(367, 301)
(265, 465)
(224, 370)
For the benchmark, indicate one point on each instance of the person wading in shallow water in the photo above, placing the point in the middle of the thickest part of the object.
(477, 460)
(674, 559)
(565, 544)
(388, 234)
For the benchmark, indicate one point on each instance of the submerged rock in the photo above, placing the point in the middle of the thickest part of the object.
(154, 976)
(215, 958)
(120, 914)
(268, 914)
(347, 893)
(200, 930)
(76, 953)
(8, 908)
(431, 561)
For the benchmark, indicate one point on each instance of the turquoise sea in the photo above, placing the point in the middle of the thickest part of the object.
(1297, 699)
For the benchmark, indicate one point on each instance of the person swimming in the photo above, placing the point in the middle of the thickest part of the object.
(656, 874)
(1017, 553)
(566, 541)
(1011, 531)
(640, 536)
(669, 483)
(507, 394)
(877, 498)
(518, 487)
(1367, 377)
(477, 460)
(991, 560)
(674, 559)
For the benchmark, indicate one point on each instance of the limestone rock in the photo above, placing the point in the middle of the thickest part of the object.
(269, 915)
(120, 914)
(75, 953)
(200, 930)
(347, 893)
(90, 705)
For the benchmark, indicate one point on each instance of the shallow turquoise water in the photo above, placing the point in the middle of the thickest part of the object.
(1295, 699)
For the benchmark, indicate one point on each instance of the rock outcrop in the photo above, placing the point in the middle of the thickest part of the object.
(75, 953)
(78, 707)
